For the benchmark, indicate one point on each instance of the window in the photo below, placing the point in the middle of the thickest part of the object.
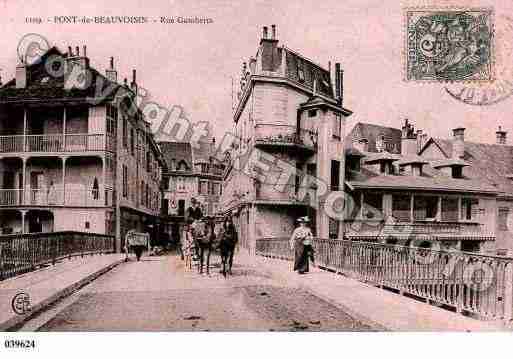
(180, 184)
(372, 205)
(125, 131)
(425, 208)
(449, 209)
(132, 142)
(337, 126)
(333, 228)
(353, 164)
(217, 189)
(468, 208)
(125, 182)
(312, 113)
(203, 187)
(87, 225)
(335, 175)
(181, 207)
(401, 208)
(300, 71)
(165, 206)
(503, 218)
(457, 172)
(172, 164)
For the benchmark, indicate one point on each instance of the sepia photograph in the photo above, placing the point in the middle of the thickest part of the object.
(339, 169)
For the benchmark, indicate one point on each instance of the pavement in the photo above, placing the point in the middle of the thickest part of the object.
(47, 285)
(158, 293)
(381, 308)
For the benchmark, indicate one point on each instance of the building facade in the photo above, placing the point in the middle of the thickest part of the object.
(73, 157)
(289, 129)
(421, 194)
(191, 172)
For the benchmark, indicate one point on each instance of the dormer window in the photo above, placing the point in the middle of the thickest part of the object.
(312, 113)
(457, 172)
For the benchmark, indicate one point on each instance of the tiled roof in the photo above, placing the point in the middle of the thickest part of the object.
(427, 182)
(370, 132)
(43, 86)
(311, 72)
(488, 162)
(177, 151)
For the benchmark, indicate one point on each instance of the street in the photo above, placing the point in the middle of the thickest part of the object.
(158, 294)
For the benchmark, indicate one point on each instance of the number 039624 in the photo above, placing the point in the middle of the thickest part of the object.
(19, 344)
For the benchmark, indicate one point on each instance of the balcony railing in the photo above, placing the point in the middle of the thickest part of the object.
(283, 193)
(272, 134)
(447, 230)
(56, 143)
(468, 282)
(22, 253)
(73, 196)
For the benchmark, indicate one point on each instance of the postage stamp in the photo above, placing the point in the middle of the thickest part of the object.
(445, 45)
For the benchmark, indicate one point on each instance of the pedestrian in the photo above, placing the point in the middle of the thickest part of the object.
(187, 245)
(301, 242)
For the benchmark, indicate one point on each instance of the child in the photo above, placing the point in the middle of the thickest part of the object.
(188, 246)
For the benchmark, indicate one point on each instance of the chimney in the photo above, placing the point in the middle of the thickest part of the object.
(458, 144)
(78, 66)
(252, 65)
(270, 56)
(337, 80)
(409, 140)
(111, 72)
(21, 75)
(133, 84)
(273, 32)
(501, 136)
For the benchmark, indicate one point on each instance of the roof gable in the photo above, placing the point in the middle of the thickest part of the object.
(370, 132)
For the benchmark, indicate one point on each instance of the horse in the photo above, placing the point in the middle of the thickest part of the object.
(204, 237)
(228, 240)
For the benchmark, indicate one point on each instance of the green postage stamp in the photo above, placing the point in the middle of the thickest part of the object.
(449, 45)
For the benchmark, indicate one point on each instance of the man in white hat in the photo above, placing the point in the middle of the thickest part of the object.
(301, 242)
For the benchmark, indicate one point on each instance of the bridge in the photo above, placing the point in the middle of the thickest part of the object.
(356, 286)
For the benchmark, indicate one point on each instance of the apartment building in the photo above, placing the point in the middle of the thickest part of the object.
(75, 151)
(191, 172)
(289, 110)
(412, 190)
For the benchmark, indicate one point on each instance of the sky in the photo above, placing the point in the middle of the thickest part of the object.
(192, 65)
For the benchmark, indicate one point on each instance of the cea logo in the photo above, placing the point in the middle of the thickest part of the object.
(21, 303)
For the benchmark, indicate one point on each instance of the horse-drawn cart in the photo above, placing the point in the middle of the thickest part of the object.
(136, 242)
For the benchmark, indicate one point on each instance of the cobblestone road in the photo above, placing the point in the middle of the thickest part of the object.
(158, 294)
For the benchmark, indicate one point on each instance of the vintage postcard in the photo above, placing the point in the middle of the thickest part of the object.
(267, 166)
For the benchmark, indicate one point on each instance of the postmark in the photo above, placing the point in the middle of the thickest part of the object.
(501, 88)
(444, 45)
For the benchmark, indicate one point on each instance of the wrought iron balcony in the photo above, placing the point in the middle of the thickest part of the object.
(56, 196)
(56, 143)
(284, 135)
(442, 230)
